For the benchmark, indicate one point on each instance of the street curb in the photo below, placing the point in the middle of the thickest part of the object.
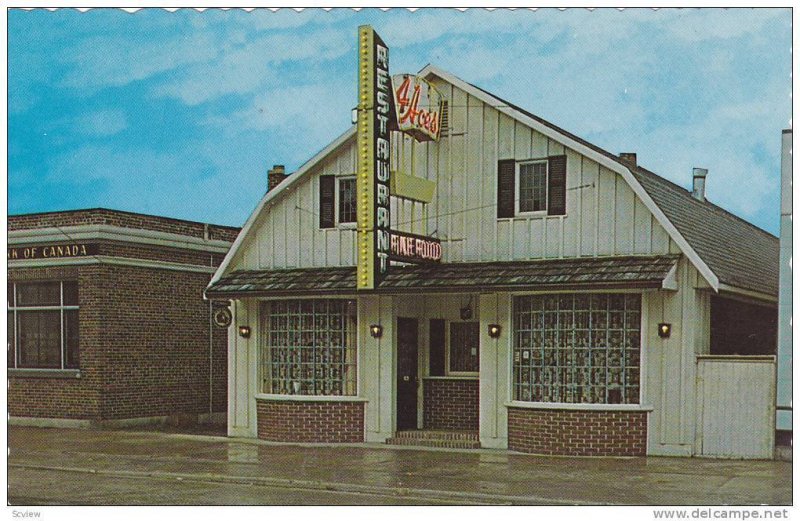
(474, 497)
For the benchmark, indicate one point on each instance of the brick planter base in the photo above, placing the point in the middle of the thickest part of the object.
(577, 433)
(310, 421)
(451, 404)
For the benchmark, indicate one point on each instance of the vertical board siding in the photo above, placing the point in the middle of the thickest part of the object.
(604, 216)
(736, 406)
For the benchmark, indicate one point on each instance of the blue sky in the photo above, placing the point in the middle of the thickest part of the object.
(181, 114)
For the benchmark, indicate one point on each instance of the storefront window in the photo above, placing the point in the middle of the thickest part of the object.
(309, 347)
(579, 348)
(43, 325)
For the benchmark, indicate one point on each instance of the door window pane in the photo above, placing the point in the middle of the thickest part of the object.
(464, 347)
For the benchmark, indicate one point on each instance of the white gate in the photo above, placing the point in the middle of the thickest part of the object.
(735, 406)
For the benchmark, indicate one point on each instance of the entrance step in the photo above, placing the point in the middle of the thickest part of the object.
(436, 438)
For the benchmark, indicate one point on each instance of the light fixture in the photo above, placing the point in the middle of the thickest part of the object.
(244, 331)
(664, 329)
(376, 330)
(494, 330)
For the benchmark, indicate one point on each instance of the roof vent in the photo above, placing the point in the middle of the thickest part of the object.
(699, 183)
(628, 158)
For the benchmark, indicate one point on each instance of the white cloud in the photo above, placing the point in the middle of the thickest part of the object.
(116, 61)
(101, 123)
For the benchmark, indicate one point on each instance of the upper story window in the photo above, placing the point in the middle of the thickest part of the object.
(43, 325)
(337, 201)
(532, 186)
(347, 200)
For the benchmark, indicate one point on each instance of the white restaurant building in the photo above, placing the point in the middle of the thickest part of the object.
(582, 304)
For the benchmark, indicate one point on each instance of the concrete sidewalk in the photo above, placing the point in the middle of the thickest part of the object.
(429, 476)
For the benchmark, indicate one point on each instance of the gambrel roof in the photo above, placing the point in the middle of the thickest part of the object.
(740, 254)
(728, 252)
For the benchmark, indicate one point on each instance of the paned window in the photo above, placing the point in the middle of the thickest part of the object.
(347, 200)
(309, 347)
(43, 325)
(577, 348)
(532, 182)
(464, 346)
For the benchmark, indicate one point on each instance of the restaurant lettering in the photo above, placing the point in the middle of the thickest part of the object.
(52, 251)
(418, 107)
(375, 121)
(406, 247)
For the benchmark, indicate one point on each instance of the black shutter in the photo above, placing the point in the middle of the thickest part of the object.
(327, 186)
(505, 187)
(437, 345)
(557, 185)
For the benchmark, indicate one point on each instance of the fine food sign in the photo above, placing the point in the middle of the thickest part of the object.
(416, 249)
(418, 107)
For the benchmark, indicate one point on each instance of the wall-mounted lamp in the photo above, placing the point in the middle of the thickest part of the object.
(664, 329)
(244, 331)
(376, 330)
(494, 330)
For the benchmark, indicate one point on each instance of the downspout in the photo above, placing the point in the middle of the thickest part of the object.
(211, 352)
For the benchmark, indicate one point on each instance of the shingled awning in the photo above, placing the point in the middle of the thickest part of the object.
(550, 274)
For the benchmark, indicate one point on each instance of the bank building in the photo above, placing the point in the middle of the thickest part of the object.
(455, 271)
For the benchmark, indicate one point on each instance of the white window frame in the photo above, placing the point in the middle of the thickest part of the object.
(517, 171)
(351, 224)
(61, 308)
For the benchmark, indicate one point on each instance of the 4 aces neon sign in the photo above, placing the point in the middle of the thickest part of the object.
(418, 107)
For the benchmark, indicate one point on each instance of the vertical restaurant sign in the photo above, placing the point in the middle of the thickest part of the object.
(418, 107)
(372, 182)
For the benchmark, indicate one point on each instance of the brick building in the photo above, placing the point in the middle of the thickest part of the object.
(455, 270)
(106, 319)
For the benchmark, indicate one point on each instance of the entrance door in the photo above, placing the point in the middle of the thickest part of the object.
(407, 373)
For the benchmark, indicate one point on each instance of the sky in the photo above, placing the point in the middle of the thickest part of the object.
(182, 113)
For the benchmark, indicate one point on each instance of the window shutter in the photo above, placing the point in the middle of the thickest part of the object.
(437, 345)
(557, 185)
(327, 186)
(505, 187)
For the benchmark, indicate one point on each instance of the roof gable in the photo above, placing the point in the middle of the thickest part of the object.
(705, 232)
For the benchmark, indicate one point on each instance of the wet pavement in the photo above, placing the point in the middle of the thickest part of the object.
(160, 468)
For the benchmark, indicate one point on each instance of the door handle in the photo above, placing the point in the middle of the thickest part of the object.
(406, 378)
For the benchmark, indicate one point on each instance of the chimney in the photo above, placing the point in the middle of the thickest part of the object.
(275, 176)
(699, 184)
(629, 158)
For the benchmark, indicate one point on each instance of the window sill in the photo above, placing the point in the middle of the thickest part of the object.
(64, 374)
(452, 377)
(621, 407)
(308, 398)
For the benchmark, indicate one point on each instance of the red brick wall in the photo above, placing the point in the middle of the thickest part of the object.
(450, 404)
(307, 422)
(577, 433)
(144, 348)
